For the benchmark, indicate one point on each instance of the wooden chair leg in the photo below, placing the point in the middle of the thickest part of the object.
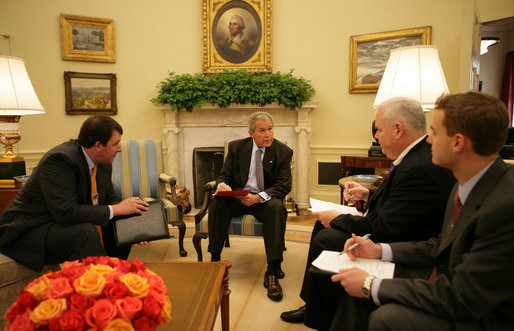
(227, 242)
(197, 237)
(182, 232)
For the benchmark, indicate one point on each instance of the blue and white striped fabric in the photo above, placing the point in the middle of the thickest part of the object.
(136, 170)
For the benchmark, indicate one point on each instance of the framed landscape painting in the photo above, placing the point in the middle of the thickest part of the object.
(369, 54)
(87, 38)
(236, 35)
(91, 94)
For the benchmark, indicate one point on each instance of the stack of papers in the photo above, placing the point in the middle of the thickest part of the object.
(334, 261)
(318, 205)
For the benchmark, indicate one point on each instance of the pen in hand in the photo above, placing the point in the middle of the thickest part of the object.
(352, 246)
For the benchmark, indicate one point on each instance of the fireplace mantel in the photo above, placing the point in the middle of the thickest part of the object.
(210, 126)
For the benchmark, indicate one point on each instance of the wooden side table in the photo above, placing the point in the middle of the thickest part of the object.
(6, 196)
(354, 165)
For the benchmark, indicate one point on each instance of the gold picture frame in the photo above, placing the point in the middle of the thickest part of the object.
(87, 38)
(90, 93)
(369, 54)
(224, 48)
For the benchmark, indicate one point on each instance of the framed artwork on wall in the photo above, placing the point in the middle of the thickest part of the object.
(90, 94)
(369, 54)
(87, 38)
(236, 35)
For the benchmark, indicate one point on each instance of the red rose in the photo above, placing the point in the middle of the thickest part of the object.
(106, 260)
(124, 266)
(80, 301)
(70, 320)
(73, 273)
(26, 300)
(151, 307)
(101, 313)
(137, 265)
(89, 260)
(115, 290)
(22, 322)
(144, 324)
(129, 307)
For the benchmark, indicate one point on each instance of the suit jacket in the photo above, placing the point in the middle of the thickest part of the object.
(409, 205)
(58, 192)
(276, 165)
(475, 265)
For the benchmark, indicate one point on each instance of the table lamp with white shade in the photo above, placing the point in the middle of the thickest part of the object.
(17, 98)
(413, 71)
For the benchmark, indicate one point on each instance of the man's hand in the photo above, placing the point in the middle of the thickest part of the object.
(352, 280)
(354, 191)
(366, 248)
(130, 206)
(325, 217)
(250, 199)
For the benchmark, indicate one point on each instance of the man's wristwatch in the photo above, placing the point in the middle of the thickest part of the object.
(366, 287)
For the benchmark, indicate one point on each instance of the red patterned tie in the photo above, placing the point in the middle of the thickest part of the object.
(457, 208)
(94, 199)
(259, 173)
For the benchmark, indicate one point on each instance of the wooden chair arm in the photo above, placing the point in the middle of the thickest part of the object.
(209, 188)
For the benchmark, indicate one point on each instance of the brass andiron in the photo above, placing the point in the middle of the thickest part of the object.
(289, 203)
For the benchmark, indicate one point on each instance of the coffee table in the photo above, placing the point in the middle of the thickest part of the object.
(196, 290)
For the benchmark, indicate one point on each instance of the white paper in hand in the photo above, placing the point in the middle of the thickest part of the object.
(319, 205)
(334, 261)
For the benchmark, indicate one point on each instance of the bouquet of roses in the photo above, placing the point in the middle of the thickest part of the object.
(99, 293)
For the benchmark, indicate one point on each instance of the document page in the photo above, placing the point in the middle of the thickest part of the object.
(319, 205)
(334, 261)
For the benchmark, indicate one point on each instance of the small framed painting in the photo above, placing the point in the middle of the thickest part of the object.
(89, 93)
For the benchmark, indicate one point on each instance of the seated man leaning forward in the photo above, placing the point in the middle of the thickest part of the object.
(408, 205)
(262, 165)
(472, 259)
(53, 217)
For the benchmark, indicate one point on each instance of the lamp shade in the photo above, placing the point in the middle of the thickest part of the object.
(17, 96)
(413, 71)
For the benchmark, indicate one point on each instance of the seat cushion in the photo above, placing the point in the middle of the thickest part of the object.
(246, 225)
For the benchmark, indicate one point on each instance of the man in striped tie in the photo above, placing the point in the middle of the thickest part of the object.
(53, 218)
(262, 165)
(471, 286)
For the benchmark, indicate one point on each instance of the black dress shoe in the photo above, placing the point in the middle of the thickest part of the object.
(274, 288)
(294, 316)
(280, 273)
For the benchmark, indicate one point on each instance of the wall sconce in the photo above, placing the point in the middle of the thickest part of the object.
(17, 98)
(413, 71)
(487, 42)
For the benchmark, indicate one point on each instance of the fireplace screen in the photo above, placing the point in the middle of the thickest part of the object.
(207, 164)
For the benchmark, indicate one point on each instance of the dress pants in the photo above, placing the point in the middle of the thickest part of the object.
(67, 243)
(271, 213)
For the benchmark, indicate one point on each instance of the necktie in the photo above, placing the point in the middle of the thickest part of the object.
(457, 208)
(94, 199)
(259, 174)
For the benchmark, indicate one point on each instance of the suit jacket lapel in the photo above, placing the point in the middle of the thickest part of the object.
(475, 199)
(244, 160)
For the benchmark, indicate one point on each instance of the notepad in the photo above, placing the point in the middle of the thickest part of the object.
(319, 205)
(332, 262)
(234, 193)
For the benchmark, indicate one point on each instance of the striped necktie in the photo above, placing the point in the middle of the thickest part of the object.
(94, 199)
(259, 173)
(457, 208)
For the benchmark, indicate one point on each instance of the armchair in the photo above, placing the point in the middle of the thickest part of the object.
(138, 171)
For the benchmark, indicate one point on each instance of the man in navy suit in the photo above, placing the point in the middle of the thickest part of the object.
(408, 205)
(53, 217)
(470, 287)
(265, 200)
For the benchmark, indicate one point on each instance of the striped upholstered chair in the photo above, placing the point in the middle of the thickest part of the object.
(246, 225)
(138, 171)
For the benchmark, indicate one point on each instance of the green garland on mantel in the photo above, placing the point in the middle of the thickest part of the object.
(188, 91)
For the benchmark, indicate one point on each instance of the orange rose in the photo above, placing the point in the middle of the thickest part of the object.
(39, 287)
(102, 269)
(48, 309)
(138, 286)
(22, 322)
(129, 307)
(119, 325)
(91, 283)
(100, 314)
(166, 311)
(59, 288)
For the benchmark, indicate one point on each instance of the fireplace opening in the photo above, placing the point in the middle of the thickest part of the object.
(207, 164)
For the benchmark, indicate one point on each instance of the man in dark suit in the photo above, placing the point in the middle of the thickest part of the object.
(472, 260)
(268, 188)
(53, 218)
(408, 205)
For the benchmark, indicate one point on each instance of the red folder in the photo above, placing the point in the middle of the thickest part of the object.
(235, 193)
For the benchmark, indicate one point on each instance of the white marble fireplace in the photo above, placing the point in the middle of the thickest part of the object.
(211, 126)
